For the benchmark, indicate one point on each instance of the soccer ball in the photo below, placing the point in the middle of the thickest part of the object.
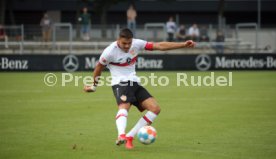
(147, 135)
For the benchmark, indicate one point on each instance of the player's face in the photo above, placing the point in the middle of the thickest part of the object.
(124, 44)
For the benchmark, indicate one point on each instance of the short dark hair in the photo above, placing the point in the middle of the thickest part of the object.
(126, 33)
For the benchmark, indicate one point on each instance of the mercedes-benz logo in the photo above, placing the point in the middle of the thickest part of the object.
(70, 63)
(203, 62)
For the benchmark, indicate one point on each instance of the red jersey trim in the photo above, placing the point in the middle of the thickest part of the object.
(149, 46)
(103, 61)
(126, 63)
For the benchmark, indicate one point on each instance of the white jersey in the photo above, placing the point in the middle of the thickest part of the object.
(171, 27)
(122, 64)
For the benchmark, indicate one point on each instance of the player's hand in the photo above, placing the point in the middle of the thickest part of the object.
(190, 44)
(90, 88)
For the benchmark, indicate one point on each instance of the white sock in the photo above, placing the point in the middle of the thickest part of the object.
(147, 119)
(121, 121)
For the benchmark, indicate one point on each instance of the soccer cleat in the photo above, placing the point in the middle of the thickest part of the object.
(121, 140)
(129, 144)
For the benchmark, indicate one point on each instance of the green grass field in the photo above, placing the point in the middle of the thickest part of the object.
(41, 122)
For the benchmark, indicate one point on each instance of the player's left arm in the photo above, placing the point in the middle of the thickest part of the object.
(163, 46)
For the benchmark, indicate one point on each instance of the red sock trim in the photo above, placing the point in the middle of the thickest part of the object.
(118, 116)
(147, 119)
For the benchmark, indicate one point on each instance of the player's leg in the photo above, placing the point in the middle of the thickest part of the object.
(151, 104)
(122, 98)
(6, 41)
(43, 36)
(146, 102)
(121, 122)
(153, 110)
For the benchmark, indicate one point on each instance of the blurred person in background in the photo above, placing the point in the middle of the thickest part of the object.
(85, 20)
(46, 26)
(193, 32)
(171, 29)
(220, 42)
(181, 33)
(204, 37)
(131, 18)
(3, 36)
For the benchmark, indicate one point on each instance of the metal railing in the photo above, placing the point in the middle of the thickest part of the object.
(247, 25)
(16, 31)
(27, 39)
(155, 26)
(57, 25)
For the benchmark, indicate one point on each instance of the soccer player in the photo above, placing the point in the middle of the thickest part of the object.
(120, 57)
